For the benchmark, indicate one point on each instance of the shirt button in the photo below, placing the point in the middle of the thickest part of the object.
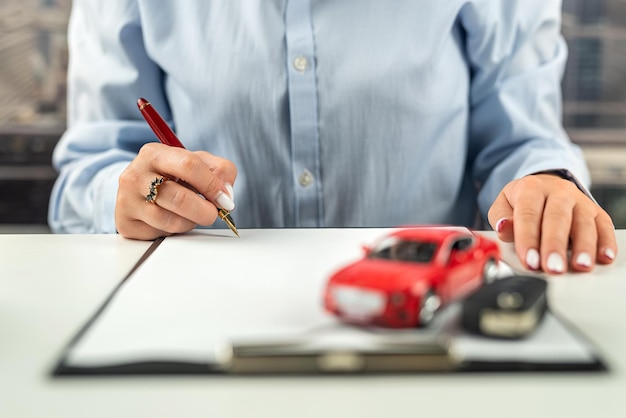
(306, 178)
(300, 63)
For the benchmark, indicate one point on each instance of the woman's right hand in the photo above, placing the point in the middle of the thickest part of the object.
(204, 183)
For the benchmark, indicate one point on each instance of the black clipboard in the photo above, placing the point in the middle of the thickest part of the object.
(332, 347)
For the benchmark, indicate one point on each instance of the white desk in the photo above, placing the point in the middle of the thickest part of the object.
(51, 284)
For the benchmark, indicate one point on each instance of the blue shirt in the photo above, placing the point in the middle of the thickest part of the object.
(336, 113)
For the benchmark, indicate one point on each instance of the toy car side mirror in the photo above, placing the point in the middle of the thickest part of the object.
(456, 257)
(367, 250)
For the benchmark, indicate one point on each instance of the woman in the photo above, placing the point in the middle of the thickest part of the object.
(327, 113)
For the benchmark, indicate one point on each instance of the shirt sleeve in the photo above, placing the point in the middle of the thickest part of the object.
(108, 70)
(517, 56)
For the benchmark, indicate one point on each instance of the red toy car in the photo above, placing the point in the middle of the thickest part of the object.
(410, 274)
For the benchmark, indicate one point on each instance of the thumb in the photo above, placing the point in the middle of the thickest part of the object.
(501, 218)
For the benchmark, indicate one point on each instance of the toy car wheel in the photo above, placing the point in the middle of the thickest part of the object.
(490, 270)
(429, 306)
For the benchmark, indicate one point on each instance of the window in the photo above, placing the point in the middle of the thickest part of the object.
(462, 244)
(594, 94)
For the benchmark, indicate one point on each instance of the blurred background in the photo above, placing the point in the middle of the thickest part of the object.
(33, 63)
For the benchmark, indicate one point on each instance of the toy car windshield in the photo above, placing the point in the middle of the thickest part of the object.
(401, 250)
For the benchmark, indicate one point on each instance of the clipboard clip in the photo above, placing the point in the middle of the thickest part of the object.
(312, 355)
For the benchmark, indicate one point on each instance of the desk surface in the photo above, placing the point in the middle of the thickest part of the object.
(51, 284)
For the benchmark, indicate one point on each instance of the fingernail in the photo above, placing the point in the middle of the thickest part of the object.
(583, 260)
(225, 202)
(229, 189)
(500, 224)
(609, 253)
(555, 263)
(532, 259)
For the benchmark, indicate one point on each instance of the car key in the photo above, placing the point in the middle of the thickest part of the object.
(511, 307)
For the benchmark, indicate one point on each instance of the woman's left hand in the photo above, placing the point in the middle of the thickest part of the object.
(546, 216)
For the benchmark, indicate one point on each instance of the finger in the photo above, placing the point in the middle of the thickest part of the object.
(584, 237)
(155, 211)
(139, 230)
(607, 245)
(179, 163)
(184, 202)
(221, 167)
(166, 221)
(225, 170)
(501, 218)
(146, 212)
(555, 231)
(528, 207)
(132, 218)
(131, 205)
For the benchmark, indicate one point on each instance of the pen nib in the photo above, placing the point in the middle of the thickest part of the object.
(225, 215)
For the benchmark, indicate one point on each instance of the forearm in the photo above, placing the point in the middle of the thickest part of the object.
(517, 56)
(105, 130)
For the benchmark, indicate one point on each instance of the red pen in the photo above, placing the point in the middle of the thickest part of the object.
(165, 134)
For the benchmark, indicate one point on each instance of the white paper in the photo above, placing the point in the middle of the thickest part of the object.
(198, 291)
(551, 343)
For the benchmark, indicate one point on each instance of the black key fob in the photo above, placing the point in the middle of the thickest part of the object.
(511, 307)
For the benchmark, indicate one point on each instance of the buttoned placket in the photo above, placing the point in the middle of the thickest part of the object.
(303, 105)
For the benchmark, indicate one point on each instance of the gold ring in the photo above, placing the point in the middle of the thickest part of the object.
(154, 189)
